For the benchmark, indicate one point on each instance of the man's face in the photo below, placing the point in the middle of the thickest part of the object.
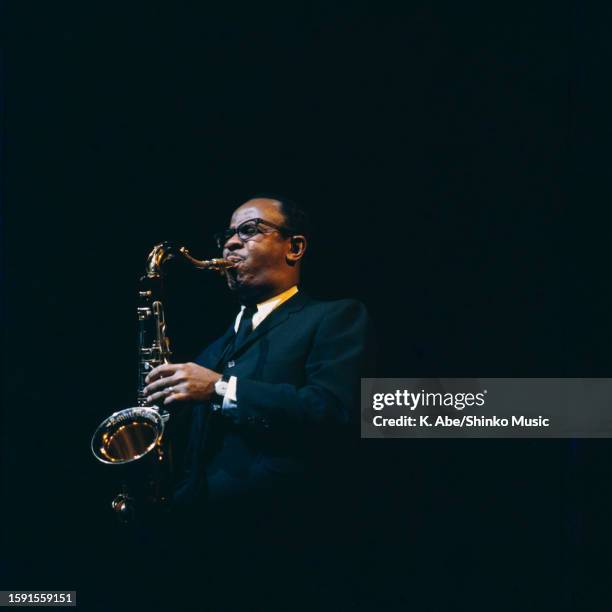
(261, 269)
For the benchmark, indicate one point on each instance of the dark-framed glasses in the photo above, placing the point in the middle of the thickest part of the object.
(247, 230)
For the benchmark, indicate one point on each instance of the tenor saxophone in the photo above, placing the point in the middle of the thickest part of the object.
(136, 440)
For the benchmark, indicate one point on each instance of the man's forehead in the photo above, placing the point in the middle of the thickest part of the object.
(260, 207)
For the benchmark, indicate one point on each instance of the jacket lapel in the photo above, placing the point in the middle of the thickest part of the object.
(276, 317)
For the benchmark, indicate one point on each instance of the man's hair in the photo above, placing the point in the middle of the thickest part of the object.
(296, 218)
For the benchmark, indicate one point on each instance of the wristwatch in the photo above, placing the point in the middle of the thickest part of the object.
(221, 385)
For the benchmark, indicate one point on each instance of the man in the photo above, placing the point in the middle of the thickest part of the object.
(282, 383)
(275, 411)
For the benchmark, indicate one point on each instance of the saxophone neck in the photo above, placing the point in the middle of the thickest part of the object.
(165, 251)
(219, 265)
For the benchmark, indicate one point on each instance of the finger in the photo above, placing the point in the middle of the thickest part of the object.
(162, 371)
(174, 397)
(161, 395)
(162, 383)
(156, 398)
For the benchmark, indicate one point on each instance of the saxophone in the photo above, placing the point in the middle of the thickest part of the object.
(137, 440)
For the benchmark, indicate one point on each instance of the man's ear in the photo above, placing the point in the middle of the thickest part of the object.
(297, 249)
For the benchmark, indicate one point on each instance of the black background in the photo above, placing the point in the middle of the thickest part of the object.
(454, 157)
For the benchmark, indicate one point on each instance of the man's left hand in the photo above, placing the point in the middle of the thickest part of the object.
(171, 382)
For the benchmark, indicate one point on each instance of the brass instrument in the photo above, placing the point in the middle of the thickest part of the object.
(135, 437)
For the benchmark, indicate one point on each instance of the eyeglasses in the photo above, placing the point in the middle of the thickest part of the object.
(247, 230)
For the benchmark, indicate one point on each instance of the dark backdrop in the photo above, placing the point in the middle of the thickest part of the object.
(454, 157)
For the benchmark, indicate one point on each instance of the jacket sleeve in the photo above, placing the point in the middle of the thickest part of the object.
(330, 392)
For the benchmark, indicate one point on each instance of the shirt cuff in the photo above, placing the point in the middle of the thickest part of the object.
(230, 402)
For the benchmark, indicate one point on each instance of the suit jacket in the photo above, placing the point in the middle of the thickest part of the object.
(298, 390)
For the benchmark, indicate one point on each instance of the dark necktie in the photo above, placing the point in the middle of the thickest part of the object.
(246, 325)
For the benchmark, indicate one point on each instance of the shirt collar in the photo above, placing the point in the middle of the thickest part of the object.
(265, 308)
(269, 305)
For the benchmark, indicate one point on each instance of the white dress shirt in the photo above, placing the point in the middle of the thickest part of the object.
(230, 401)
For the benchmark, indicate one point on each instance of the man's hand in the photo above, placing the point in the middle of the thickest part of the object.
(180, 381)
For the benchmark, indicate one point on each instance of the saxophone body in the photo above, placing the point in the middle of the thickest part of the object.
(137, 441)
